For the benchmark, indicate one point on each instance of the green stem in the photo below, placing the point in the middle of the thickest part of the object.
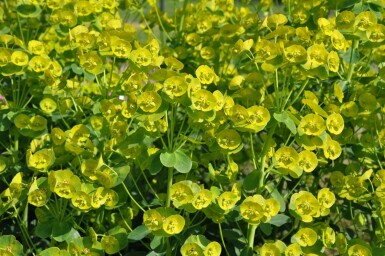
(351, 64)
(251, 235)
(132, 198)
(222, 239)
(263, 156)
(169, 184)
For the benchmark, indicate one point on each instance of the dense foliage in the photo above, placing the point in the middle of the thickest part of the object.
(210, 128)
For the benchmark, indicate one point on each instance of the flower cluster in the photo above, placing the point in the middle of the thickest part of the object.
(214, 127)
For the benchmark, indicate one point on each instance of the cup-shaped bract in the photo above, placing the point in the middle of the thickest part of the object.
(252, 209)
(286, 157)
(203, 100)
(312, 124)
(149, 101)
(205, 75)
(335, 123)
(228, 139)
(305, 205)
(326, 198)
(173, 224)
(306, 237)
(308, 161)
(212, 249)
(202, 199)
(81, 200)
(191, 249)
(227, 200)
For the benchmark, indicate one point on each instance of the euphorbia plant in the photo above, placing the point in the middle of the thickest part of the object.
(210, 128)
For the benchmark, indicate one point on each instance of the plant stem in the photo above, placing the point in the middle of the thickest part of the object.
(351, 64)
(132, 198)
(250, 235)
(223, 240)
(169, 184)
(263, 156)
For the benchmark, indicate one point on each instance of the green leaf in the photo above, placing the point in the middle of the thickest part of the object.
(279, 220)
(28, 10)
(155, 164)
(168, 159)
(122, 172)
(63, 231)
(44, 229)
(251, 181)
(139, 233)
(76, 69)
(5, 123)
(266, 228)
(183, 163)
(285, 118)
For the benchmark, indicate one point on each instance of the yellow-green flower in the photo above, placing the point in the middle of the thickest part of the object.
(305, 205)
(21, 121)
(333, 61)
(203, 100)
(296, 53)
(64, 183)
(173, 224)
(19, 58)
(38, 197)
(39, 63)
(312, 124)
(228, 139)
(308, 161)
(92, 63)
(149, 101)
(181, 193)
(48, 105)
(99, 197)
(335, 123)
(191, 249)
(81, 200)
(120, 47)
(270, 249)
(368, 101)
(293, 250)
(345, 20)
(141, 57)
(328, 237)
(212, 249)
(36, 47)
(286, 157)
(227, 200)
(376, 33)
(202, 199)
(41, 159)
(270, 208)
(251, 209)
(175, 86)
(317, 55)
(265, 50)
(326, 198)
(365, 20)
(37, 123)
(205, 74)
(359, 250)
(306, 237)
(332, 149)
